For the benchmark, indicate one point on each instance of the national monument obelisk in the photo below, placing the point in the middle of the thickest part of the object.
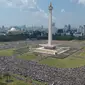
(50, 48)
(50, 25)
(49, 44)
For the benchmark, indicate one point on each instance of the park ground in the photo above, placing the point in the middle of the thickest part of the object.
(72, 61)
(76, 59)
(14, 81)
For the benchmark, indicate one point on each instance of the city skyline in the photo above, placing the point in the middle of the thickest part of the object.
(35, 12)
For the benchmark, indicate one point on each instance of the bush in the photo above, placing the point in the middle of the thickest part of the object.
(63, 37)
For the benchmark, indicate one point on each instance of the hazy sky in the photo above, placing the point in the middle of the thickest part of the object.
(35, 12)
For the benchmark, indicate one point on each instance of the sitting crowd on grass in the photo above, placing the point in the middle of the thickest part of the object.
(43, 73)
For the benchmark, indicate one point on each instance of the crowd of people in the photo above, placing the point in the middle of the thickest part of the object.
(10, 45)
(52, 75)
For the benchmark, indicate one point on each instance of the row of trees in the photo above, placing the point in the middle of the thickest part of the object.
(36, 35)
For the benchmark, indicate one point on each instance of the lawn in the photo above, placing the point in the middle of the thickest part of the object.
(75, 60)
(19, 82)
(27, 56)
(10, 52)
(16, 82)
(7, 52)
(82, 53)
(63, 63)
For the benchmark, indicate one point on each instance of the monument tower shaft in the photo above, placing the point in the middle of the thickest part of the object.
(50, 25)
(49, 48)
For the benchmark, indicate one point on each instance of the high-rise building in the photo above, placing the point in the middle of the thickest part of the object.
(81, 29)
(84, 30)
(65, 28)
(54, 29)
(69, 27)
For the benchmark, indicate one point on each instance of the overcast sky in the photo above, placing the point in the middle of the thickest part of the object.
(35, 12)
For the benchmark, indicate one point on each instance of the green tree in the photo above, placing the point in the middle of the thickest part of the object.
(7, 76)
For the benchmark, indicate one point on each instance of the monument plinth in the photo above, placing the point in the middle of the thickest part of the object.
(47, 46)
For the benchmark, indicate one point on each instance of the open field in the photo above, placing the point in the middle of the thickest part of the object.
(64, 63)
(15, 81)
(27, 56)
(18, 82)
(23, 64)
(78, 59)
(8, 52)
(73, 60)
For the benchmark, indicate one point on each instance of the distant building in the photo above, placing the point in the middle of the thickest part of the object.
(81, 29)
(69, 27)
(84, 30)
(78, 34)
(74, 30)
(14, 31)
(68, 33)
(2, 33)
(65, 28)
(54, 29)
(60, 32)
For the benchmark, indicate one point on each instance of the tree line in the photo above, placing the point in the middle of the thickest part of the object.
(38, 35)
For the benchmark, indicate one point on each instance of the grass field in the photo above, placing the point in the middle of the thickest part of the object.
(75, 60)
(27, 56)
(7, 52)
(19, 82)
(82, 53)
(63, 63)
(10, 52)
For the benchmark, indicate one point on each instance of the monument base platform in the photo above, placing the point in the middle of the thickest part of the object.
(58, 50)
(46, 51)
(46, 46)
